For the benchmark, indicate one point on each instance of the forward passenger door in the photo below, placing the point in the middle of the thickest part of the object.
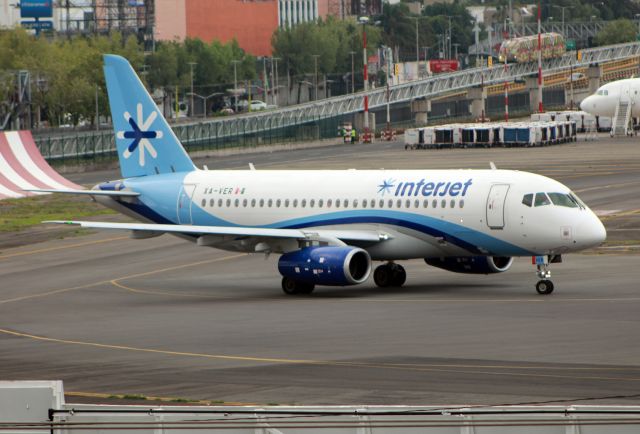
(495, 205)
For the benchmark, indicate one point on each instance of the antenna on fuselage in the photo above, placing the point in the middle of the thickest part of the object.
(251, 166)
(492, 165)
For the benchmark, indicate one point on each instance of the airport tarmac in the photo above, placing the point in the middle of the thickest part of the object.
(161, 317)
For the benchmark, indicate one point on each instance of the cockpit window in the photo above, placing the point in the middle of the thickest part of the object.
(577, 200)
(562, 199)
(528, 199)
(542, 199)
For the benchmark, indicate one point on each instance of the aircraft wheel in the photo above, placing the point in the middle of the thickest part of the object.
(399, 275)
(294, 287)
(544, 287)
(306, 288)
(382, 276)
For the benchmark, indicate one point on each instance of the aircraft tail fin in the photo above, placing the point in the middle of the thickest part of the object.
(145, 142)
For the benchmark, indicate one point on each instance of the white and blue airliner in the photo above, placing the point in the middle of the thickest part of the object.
(329, 226)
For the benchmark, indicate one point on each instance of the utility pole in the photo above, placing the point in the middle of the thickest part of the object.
(388, 91)
(265, 81)
(564, 31)
(450, 36)
(540, 107)
(97, 112)
(506, 90)
(235, 84)
(417, 43)
(315, 80)
(365, 136)
(276, 86)
(273, 86)
(192, 64)
(353, 78)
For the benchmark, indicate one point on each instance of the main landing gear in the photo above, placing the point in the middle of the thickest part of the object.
(390, 274)
(295, 287)
(544, 286)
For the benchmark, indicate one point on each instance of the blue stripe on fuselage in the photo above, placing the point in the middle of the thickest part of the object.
(158, 203)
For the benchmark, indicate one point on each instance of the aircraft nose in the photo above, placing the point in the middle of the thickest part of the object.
(591, 233)
(584, 104)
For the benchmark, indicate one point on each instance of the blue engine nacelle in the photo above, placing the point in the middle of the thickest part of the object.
(332, 266)
(472, 264)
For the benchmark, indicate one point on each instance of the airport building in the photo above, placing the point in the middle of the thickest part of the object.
(251, 22)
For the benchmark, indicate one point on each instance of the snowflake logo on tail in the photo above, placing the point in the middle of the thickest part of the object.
(140, 134)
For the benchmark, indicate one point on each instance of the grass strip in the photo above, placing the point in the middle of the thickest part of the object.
(20, 214)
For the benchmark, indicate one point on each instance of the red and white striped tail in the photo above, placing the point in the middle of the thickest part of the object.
(23, 167)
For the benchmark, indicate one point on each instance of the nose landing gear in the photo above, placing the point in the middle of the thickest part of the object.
(544, 286)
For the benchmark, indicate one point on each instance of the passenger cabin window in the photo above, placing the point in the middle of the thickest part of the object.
(561, 199)
(527, 199)
(542, 199)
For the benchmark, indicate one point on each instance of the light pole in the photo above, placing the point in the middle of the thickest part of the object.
(315, 75)
(364, 21)
(417, 43)
(450, 34)
(540, 107)
(564, 31)
(275, 59)
(638, 37)
(455, 46)
(265, 81)
(192, 64)
(353, 79)
(388, 92)
(235, 84)
(426, 61)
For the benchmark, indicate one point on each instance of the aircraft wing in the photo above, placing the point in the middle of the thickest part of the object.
(239, 231)
(86, 192)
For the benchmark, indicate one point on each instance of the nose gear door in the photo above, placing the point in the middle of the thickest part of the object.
(495, 205)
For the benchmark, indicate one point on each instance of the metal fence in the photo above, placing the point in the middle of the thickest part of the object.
(319, 119)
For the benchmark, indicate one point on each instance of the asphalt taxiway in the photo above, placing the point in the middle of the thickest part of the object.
(162, 317)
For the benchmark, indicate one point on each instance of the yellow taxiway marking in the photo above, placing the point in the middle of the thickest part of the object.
(164, 293)
(453, 368)
(620, 214)
(111, 281)
(48, 293)
(369, 300)
(69, 246)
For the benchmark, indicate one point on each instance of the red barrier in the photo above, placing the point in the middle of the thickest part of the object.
(23, 167)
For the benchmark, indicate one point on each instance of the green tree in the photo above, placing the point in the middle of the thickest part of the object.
(332, 40)
(398, 26)
(617, 32)
(440, 14)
